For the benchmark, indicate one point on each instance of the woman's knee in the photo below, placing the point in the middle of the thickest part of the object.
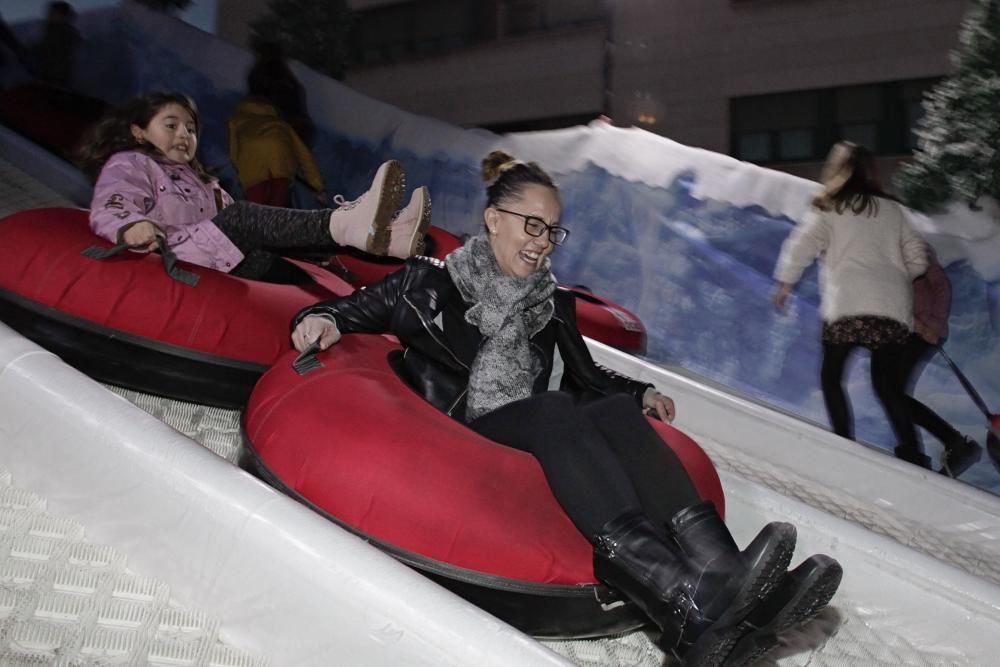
(618, 402)
(556, 406)
(615, 407)
(553, 400)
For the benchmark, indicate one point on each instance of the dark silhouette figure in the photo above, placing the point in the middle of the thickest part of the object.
(271, 79)
(53, 56)
(9, 42)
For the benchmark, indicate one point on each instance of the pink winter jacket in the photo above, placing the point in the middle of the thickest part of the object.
(134, 186)
(932, 299)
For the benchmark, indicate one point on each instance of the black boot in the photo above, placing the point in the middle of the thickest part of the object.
(913, 455)
(802, 594)
(961, 453)
(709, 548)
(631, 556)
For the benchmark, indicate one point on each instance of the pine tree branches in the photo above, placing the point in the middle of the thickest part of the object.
(958, 138)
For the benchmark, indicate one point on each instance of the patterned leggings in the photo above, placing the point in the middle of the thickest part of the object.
(257, 230)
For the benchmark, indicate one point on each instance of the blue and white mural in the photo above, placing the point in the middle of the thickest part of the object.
(684, 238)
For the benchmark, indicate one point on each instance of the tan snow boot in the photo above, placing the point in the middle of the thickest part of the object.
(410, 225)
(364, 222)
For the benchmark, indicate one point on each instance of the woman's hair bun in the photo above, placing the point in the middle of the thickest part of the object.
(495, 164)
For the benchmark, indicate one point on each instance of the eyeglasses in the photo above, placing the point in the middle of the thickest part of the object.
(536, 227)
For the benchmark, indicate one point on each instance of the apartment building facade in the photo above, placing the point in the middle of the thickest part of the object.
(774, 82)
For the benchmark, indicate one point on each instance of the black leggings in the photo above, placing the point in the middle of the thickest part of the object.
(601, 459)
(888, 380)
(256, 229)
(916, 353)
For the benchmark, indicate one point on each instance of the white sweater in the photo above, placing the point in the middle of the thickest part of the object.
(869, 262)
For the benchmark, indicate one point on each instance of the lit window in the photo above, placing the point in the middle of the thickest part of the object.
(863, 134)
(795, 144)
(801, 125)
(754, 147)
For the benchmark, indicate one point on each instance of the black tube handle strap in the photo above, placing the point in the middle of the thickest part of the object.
(170, 264)
(97, 252)
(307, 361)
(168, 256)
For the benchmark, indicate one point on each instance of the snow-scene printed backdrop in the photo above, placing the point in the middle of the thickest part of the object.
(685, 238)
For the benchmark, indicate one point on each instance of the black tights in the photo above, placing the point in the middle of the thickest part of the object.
(888, 380)
(916, 353)
(601, 459)
(255, 229)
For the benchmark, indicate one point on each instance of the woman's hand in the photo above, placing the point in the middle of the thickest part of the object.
(141, 236)
(780, 296)
(657, 405)
(313, 328)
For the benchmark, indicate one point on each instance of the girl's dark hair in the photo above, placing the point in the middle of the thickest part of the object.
(507, 176)
(850, 181)
(113, 133)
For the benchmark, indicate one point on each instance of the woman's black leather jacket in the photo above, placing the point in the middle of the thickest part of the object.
(420, 305)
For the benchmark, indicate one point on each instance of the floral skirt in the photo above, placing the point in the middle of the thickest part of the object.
(871, 331)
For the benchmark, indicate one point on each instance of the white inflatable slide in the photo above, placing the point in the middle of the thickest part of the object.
(286, 584)
(290, 587)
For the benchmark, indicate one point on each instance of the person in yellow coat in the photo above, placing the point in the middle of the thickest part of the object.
(268, 154)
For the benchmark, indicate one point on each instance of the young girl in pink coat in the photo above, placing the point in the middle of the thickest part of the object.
(149, 184)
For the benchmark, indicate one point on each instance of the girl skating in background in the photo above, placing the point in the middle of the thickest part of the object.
(870, 257)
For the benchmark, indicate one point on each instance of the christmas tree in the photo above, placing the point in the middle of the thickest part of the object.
(314, 32)
(958, 138)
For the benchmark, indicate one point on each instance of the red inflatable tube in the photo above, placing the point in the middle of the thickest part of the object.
(609, 323)
(362, 269)
(123, 320)
(353, 441)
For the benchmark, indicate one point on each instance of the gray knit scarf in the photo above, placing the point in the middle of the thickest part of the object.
(508, 311)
